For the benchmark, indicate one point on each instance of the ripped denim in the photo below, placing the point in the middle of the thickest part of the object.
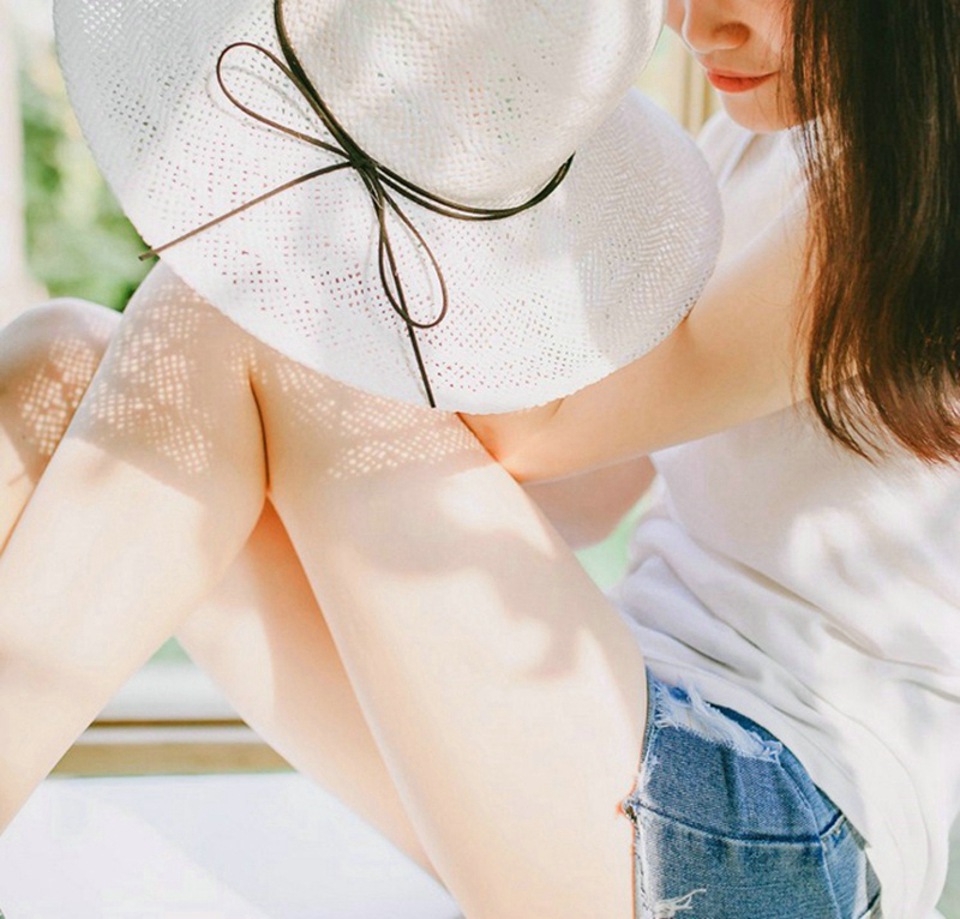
(728, 825)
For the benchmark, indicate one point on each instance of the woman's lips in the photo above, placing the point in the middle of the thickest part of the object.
(733, 83)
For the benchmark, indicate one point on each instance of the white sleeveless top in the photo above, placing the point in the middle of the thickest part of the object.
(820, 596)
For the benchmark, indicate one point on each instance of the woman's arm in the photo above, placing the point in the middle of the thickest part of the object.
(586, 508)
(732, 360)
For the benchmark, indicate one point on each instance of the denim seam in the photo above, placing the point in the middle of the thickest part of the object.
(789, 842)
(834, 826)
(629, 804)
(821, 848)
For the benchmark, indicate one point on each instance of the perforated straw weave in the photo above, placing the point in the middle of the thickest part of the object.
(480, 101)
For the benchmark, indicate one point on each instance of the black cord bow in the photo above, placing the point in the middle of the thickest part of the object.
(378, 179)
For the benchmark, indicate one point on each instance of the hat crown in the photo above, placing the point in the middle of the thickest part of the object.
(478, 101)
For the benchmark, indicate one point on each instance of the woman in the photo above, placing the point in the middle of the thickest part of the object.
(784, 577)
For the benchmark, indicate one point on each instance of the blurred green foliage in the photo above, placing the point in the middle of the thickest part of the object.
(78, 241)
(606, 562)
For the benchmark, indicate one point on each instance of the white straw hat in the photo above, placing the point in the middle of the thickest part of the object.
(196, 108)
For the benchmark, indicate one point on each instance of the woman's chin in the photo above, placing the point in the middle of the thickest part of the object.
(760, 114)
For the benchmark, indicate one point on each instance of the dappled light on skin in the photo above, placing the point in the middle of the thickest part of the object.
(259, 634)
(407, 499)
(459, 612)
(147, 499)
(151, 410)
(464, 623)
(45, 402)
(42, 383)
(357, 434)
(410, 477)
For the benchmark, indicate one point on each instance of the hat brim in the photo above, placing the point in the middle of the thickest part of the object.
(540, 304)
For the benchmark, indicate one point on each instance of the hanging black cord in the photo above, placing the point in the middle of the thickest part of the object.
(378, 179)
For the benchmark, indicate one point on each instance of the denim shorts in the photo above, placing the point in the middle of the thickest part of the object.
(728, 825)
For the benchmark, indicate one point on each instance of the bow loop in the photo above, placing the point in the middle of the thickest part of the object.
(290, 76)
(392, 284)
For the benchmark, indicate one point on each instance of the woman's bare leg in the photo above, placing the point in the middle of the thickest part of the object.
(151, 494)
(263, 639)
(506, 695)
(260, 634)
(48, 356)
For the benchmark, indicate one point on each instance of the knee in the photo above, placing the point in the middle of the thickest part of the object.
(63, 339)
(39, 325)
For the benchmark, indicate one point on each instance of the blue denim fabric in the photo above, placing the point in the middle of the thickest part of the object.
(728, 825)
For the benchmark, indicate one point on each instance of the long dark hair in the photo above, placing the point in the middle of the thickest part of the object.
(878, 91)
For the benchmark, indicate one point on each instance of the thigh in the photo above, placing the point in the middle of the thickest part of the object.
(729, 824)
(506, 694)
(161, 473)
(48, 355)
(261, 636)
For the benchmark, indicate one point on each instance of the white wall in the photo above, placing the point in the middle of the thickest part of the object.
(17, 289)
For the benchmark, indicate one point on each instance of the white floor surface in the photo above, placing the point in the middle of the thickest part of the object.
(270, 846)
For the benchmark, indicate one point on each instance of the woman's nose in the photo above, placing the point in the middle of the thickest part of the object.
(706, 25)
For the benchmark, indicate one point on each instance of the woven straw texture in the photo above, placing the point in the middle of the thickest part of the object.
(477, 100)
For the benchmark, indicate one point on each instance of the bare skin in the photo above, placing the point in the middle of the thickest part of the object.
(460, 617)
(260, 633)
(141, 440)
